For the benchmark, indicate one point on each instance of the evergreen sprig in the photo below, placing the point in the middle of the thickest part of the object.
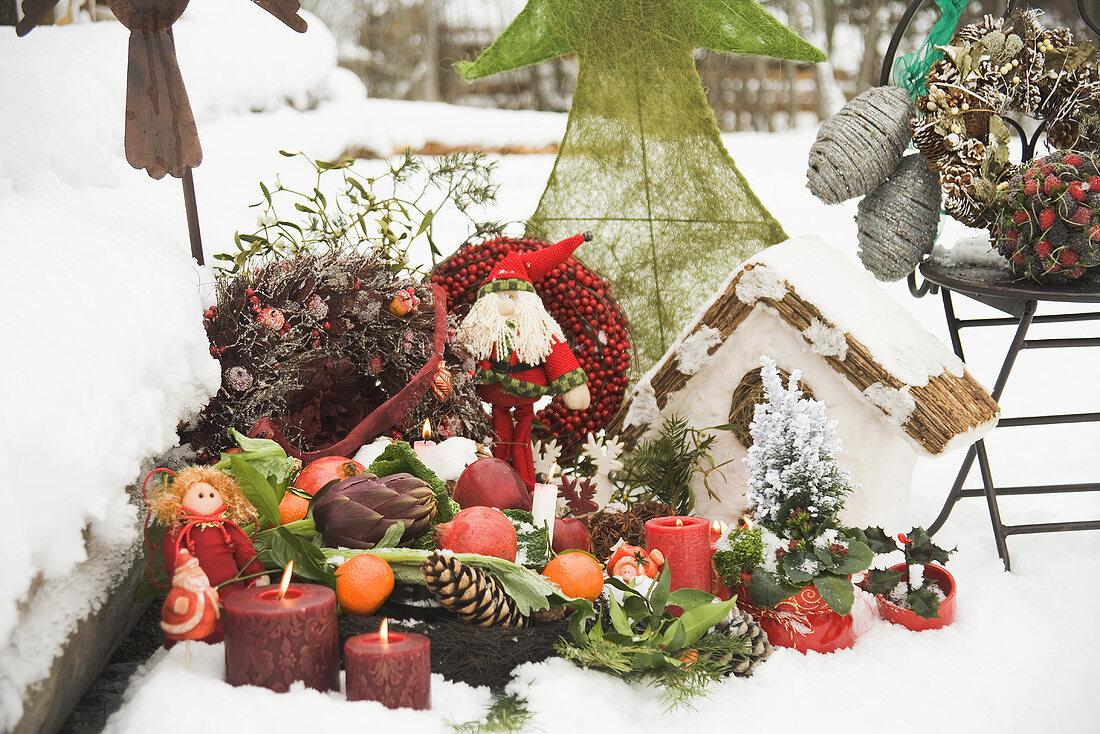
(661, 469)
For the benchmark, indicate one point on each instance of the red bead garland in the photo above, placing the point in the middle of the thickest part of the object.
(594, 325)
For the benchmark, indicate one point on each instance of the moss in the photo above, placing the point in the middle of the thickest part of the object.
(746, 552)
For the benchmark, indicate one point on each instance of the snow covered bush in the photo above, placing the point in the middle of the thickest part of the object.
(795, 491)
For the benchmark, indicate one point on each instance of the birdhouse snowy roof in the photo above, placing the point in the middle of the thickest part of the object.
(848, 320)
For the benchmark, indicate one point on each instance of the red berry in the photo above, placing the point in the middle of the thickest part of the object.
(1018, 258)
(272, 318)
(248, 291)
(1012, 235)
(1046, 218)
(1076, 273)
(1077, 190)
(1094, 233)
(1094, 183)
(1042, 248)
(1082, 216)
(1073, 160)
(1031, 188)
(1020, 217)
(1047, 169)
(1068, 257)
(326, 326)
(1051, 183)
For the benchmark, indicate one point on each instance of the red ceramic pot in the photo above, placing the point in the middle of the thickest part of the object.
(907, 617)
(803, 622)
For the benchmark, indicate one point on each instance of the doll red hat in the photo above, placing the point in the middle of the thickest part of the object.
(518, 271)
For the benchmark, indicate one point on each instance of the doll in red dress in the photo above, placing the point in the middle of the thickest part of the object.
(203, 509)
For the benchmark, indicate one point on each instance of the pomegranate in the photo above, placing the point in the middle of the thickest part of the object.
(492, 483)
(324, 470)
(483, 530)
(571, 534)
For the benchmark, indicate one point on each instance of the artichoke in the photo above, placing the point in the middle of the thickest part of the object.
(358, 511)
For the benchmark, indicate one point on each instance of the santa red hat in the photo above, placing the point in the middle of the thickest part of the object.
(518, 271)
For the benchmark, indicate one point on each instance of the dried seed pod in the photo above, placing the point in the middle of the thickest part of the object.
(898, 220)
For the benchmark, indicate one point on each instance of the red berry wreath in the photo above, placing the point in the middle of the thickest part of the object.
(594, 325)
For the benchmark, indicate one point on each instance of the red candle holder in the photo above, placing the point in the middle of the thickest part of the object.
(395, 670)
(272, 642)
(685, 543)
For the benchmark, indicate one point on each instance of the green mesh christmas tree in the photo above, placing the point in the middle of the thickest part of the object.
(641, 164)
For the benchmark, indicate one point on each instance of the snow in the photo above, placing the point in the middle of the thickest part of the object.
(828, 341)
(693, 353)
(898, 404)
(973, 249)
(107, 353)
(815, 271)
(644, 411)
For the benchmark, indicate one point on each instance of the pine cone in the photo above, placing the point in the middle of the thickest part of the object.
(471, 593)
(740, 623)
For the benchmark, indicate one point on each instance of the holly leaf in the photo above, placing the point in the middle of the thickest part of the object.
(922, 550)
(579, 494)
(878, 541)
(881, 581)
(767, 589)
(836, 591)
(924, 603)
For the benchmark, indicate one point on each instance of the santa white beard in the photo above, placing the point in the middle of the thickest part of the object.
(530, 331)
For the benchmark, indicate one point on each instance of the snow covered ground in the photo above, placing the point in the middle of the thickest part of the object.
(106, 353)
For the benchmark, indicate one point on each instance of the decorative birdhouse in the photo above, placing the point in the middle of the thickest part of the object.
(895, 390)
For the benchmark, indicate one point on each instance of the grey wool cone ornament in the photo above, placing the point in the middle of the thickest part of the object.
(858, 147)
(898, 221)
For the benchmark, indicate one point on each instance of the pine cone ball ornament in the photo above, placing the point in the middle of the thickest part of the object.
(741, 623)
(857, 148)
(1047, 220)
(469, 592)
(898, 220)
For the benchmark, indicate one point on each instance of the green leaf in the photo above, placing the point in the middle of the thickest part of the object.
(767, 589)
(280, 547)
(923, 551)
(858, 559)
(392, 536)
(879, 541)
(618, 617)
(687, 598)
(881, 581)
(924, 603)
(675, 637)
(698, 620)
(577, 623)
(658, 597)
(286, 154)
(400, 457)
(256, 489)
(794, 566)
(836, 591)
(425, 223)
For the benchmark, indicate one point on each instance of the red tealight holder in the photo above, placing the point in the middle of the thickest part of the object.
(685, 543)
(272, 640)
(393, 668)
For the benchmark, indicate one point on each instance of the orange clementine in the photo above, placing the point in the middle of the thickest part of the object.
(577, 574)
(363, 583)
(292, 508)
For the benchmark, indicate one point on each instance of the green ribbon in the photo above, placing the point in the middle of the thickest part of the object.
(911, 70)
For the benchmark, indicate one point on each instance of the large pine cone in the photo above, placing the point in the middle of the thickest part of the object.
(471, 593)
(740, 623)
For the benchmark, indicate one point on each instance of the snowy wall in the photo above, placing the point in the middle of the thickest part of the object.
(105, 351)
(871, 448)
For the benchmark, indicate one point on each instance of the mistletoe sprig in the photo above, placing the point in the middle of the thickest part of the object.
(918, 548)
(639, 639)
(379, 216)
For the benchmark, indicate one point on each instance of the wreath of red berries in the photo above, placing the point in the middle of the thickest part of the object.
(594, 325)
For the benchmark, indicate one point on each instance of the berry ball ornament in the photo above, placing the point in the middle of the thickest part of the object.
(1048, 217)
(580, 302)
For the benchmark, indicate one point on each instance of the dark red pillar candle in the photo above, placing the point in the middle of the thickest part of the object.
(685, 543)
(396, 672)
(272, 642)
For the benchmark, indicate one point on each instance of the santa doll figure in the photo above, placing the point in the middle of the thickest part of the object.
(521, 351)
(190, 611)
(203, 508)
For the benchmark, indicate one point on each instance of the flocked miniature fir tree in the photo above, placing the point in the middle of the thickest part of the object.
(796, 489)
(641, 164)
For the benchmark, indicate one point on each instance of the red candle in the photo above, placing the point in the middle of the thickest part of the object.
(685, 543)
(272, 640)
(394, 668)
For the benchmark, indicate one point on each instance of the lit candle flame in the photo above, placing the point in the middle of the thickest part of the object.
(286, 579)
(746, 522)
(719, 526)
(679, 523)
(427, 432)
(384, 631)
(552, 473)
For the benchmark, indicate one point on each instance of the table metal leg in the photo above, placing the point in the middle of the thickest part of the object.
(991, 501)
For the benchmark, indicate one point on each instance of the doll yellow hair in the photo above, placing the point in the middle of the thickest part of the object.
(165, 504)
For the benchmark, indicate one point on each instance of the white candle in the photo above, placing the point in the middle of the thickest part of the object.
(544, 504)
(425, 449)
